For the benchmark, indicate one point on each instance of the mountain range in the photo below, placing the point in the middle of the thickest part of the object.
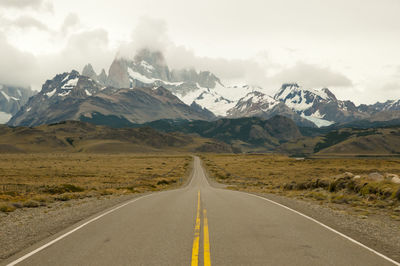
(11, 100)
(144, 89)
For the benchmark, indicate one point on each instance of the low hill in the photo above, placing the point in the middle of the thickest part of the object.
(374, 141)
(75, 136)
(347, 142)
(247, 134)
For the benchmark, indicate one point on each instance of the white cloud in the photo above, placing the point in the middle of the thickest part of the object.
(310, 75)
(16, 67)
(71, 21)
(25, 22)
(24, 4)
(149, 33)
(24, 69)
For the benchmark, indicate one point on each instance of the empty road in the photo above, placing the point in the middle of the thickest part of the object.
(199, 225)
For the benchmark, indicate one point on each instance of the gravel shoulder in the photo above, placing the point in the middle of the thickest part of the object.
(25, 227)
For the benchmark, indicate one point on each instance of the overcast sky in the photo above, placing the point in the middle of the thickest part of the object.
(349, 46)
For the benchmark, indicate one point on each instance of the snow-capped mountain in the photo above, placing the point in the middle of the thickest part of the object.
(391, 105)
(149, 69)
(71, 96)
(258, 104)
(11, 100)
(318, 105)
(154, 91)
(255, 103)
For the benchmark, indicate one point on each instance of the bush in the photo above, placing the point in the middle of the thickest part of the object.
(6, 208)
(397, 194)
(17, 205)
(31, 204)
(63, 189)
(62, 198)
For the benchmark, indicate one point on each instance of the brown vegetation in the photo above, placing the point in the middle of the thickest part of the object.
(32, 180)
(365, 185)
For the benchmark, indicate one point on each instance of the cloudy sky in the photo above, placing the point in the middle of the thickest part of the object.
(350, 46)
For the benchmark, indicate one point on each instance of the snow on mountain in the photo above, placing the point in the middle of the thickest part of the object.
(202, 89)
(253, 104)
(317, 105)
(207, 98)
(11, 100)
(319, 122)
(71, 96)
(4, 117)
(149, 69)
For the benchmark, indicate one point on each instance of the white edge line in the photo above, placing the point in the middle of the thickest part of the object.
(72, 231)
(327, 227)
(321, 224)
(82, 225)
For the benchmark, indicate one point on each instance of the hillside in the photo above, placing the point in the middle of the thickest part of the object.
(245, 134)
(347, 142)
(74, 136)
(377, 141)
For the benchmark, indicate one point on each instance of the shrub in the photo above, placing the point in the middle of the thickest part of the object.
(31, 204)
(6, 208)
(397, 194)
(63, 188)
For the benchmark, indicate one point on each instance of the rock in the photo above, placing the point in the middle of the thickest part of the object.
(375, 176)
(348, 174)
(393, 178)
(356, 177)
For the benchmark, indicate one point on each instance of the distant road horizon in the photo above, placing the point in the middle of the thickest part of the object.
(199, 224)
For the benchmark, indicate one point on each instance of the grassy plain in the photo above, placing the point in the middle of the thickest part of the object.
(32, 180)
(360, 185)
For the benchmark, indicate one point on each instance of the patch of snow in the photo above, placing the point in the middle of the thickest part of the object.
(9, 97)
(51, 93)
(28, 109)
(170, 83)
(146, 80)
(71, 83)
(318, 121)
(6, 96)
(88, 93)
(65, 79)
(235, 92)
(317, 114)
(64, 93)
(4, 117)
(147, 66)
(140, 77)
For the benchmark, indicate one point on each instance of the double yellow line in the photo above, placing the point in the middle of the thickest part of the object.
(206, 238)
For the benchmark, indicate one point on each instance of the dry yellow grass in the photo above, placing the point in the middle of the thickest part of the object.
(324, 180)
(29, 180)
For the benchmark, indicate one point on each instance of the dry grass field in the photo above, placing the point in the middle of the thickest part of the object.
(364, 186)
(32, 180)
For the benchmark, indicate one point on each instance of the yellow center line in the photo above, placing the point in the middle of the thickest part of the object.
(195, 249)
(207, 260)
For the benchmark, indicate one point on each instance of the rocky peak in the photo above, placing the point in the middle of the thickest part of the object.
(153, 58)
(70, 84)
(102, 78)
(118, 74)
(88, 71)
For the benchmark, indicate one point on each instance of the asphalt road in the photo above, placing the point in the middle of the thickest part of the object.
(199, 225)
